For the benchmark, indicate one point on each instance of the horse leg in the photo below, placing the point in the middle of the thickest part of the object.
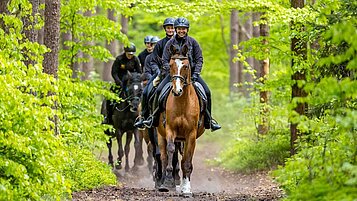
(129, 136)
(110, 156)
(138, 145)
(175, 164)
(119, 136)
(161, 162)
(149, 158)
(169, 181)
(186, 165)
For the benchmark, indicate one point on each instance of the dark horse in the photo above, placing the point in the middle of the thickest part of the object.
(124, 115)
(182, 121)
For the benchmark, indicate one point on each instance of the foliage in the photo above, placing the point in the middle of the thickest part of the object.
(36, 164)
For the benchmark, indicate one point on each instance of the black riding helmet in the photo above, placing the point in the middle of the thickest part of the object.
(147, 39)
(154, 39)
(181, 22)
(168, 21)
(130, 49)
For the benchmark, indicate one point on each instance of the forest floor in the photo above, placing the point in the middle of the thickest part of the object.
(208, 182)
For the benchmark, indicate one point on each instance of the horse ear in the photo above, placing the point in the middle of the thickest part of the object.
(174, 49)
(184, 50)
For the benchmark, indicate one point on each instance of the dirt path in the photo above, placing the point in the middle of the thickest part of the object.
(207, 182)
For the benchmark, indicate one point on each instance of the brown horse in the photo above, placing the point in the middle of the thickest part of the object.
(181, 121)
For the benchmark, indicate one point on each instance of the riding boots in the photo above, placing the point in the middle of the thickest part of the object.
(214, 125)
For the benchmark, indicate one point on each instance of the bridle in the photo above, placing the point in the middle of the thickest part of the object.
(182, 78)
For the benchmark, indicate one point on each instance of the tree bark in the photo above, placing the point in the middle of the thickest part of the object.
(3, 10)
(29, 28)
(256, 34)
(249, 28)
(51, 39)
(106, 73)
(298, 48)
(234, 68)
(124, 29)
(263, 127)
(87, 67)
(41, 35)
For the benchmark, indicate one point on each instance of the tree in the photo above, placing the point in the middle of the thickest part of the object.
(234, 67)
(264, 72)
(51, 41)
(298, 48)
(111, 46)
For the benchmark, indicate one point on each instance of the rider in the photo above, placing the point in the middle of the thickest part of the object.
(148, 49)
(182, 26)
(123, 63)
(152, 67)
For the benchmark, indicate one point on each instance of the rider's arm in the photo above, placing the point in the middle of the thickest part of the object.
(197, 57)
(115, 70)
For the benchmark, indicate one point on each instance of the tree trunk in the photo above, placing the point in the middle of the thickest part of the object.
(124, 29)
(29, 28)
(87, 67)
(256, 34)
(41, 34)
(3, 9)
(240, 64)
(264, 72)
(249, 32)
(106, 73)
(234, 68)
(51, 40)
(298, 48)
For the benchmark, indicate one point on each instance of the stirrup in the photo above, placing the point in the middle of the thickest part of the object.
(149, 121)
(139, 123)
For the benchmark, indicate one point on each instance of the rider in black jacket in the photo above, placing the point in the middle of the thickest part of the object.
(123, 63)
(148, 50)
(153, 66)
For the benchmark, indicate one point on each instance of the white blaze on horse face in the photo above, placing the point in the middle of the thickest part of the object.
(179, 64)
(136, 87)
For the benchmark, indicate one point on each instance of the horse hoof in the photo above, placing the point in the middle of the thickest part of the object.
(118, 166)
(187, 195)
(163, 188)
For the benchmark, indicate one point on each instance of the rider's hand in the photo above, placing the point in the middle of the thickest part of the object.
(156, 81)
(119, 83)
(195, 77)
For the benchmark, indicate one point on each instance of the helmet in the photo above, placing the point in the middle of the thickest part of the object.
(168, 21)
(154, 39)
(181, 22)
(147, 39)
(130, 49)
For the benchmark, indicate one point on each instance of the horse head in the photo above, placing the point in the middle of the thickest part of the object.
(134, 85)
(180, 70)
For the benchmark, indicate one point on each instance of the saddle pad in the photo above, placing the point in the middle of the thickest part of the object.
(163, 95)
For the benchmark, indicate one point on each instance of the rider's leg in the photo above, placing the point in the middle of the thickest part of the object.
(149, 121)
(144, 104)
(209, 121)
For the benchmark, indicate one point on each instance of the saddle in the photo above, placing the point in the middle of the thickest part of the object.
(159, 104)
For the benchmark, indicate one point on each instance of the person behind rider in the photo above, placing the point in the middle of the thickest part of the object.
(148, 50)
(123, 63)
(152, 67)
(182, 26)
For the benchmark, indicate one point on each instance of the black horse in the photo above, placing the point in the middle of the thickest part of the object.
(124, 115)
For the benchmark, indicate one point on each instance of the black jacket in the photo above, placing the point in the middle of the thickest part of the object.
(156, 57)
(194, 52)
(122, 64)
(142, 56)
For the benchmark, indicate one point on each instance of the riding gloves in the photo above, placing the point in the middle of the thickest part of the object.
(195, 77)
(156, 81)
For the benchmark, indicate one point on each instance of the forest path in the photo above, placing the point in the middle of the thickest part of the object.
(207, 182)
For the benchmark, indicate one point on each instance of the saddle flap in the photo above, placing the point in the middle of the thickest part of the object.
(163, 95)
(200, 91)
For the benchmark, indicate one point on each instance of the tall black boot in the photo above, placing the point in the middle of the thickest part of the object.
(212, 122)
(109, 113)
